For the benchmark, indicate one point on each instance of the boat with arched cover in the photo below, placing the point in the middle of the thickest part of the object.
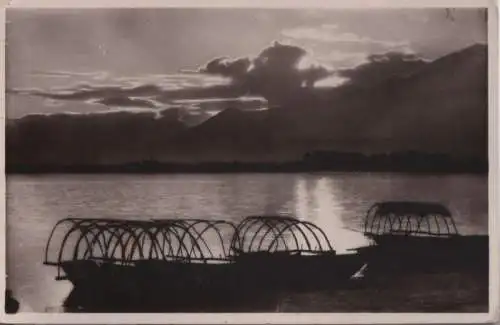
(419, 236)
(286, 252)
(190, 263)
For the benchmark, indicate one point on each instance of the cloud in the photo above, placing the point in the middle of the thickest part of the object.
(344, 59)
(278, 73)
(97, 75)
(146, 91)
(234, 69)
(176, 80)
(127, 102)
(329, 33)
(196, 111)
(144, 85)
(52, 102)
(219, 104)
(199, 95)
(85, 92)
(330, 82)
(380, 67)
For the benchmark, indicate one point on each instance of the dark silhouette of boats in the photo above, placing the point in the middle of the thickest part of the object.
(192, 264)
(419, 236)
(285, 253)
(206, 265)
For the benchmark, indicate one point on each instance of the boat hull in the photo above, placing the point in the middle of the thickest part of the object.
(413, 253)
(242, 285)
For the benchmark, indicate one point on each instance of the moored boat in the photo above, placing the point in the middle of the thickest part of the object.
(419, 236)
(186, 264)
(290, 254)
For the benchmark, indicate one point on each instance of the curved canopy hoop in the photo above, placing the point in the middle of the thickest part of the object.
(274, 242)
(410, 218)
(122, 234)
(272, 226)
(179, 231)
(167, 244)
(78, 225)
(278, 235)
(270, 232)
(93, 234)
(214, 227)
(312, 228)
(197, 235)
(138, 245)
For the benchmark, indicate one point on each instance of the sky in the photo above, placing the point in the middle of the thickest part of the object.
(103, 60)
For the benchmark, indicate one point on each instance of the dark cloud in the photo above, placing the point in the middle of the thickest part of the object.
(275, 73)
(219, 104)
(143, 96)
(87, 92)
(198, 111)
(149, 91)
(69, 74)
(279, 74)
(126, 102)
(380, 67)
(282, 74)
(235, 69)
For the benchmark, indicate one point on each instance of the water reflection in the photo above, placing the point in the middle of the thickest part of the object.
(301, 199)
(324, 207)
(239, 195)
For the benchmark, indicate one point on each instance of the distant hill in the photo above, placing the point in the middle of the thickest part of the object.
(90, 139)
(439, 107)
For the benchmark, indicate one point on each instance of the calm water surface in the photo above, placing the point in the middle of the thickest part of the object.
(334, 201)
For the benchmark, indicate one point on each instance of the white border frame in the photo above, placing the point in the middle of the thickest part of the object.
(289, 318)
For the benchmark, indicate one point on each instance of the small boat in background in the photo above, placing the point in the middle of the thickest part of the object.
(419, 236)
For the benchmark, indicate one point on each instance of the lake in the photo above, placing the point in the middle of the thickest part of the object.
(336, 202)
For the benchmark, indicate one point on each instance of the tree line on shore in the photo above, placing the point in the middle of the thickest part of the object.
(409, 161)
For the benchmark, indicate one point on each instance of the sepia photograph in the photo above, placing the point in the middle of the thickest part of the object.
(247, 160)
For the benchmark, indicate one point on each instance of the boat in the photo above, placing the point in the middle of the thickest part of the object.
(192, 264)
(417, 236)
(130, 264)
(289, 254)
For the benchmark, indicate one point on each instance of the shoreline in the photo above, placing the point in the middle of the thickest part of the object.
(314, 162)
(225, 170)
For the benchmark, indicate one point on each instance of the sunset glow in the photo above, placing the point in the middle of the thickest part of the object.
(333, 81)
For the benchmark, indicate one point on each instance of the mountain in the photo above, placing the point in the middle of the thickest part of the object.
(438, 107)
(235, 135)
(444, 108)
(91, 138)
